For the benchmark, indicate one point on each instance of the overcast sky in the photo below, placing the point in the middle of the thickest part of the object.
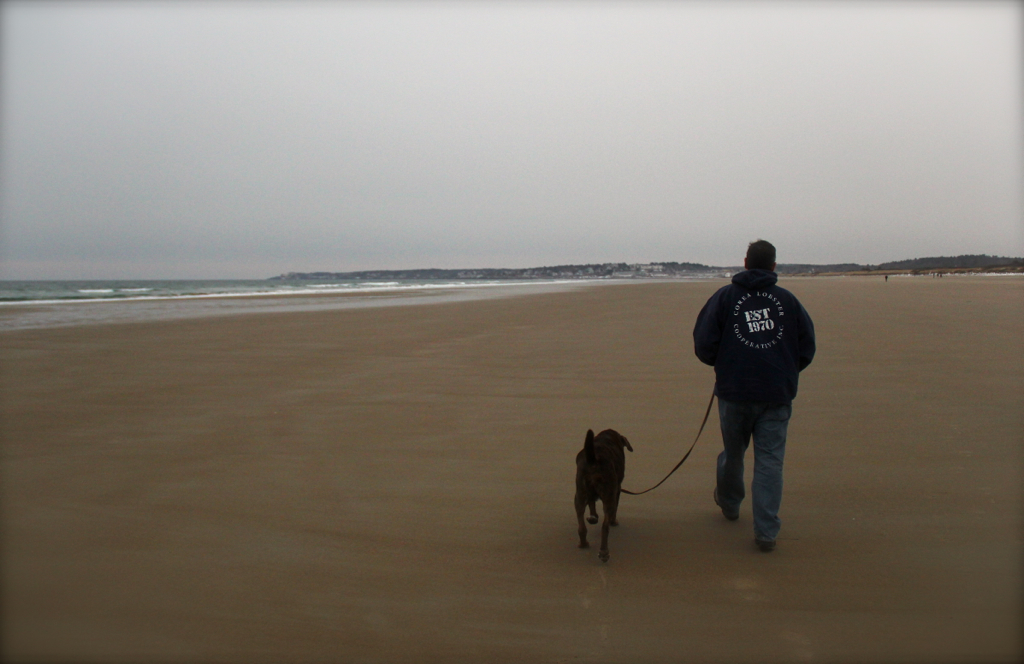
(244, 139)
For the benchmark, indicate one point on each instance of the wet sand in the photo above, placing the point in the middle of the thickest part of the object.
(16, 316)
(395, 484)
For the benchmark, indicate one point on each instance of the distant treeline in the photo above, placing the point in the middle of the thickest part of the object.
(967, 261)
(667, 269)
(802, 268)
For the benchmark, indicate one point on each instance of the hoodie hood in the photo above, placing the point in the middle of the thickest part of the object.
(755, 279)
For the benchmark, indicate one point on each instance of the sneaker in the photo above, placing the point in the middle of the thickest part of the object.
(765, 545)
(732, 515)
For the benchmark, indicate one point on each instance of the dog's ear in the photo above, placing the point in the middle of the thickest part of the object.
(626, 441)
(588, 447)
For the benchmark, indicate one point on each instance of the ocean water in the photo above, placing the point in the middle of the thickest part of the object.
(43, 304)
(73, 291)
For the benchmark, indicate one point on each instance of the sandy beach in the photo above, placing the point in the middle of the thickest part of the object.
(395, 484)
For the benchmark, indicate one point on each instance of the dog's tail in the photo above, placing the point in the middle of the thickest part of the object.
(588, 447)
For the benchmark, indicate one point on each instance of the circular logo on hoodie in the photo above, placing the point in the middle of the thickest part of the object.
(757, 319)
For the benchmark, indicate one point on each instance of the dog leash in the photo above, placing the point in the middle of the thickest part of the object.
(699, 432)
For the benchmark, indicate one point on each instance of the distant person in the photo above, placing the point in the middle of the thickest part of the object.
(886, 278)
(758, 337)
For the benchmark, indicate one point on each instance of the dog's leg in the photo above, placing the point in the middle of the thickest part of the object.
(580, 507)
(615, 507)
(593, 513)
(603, 555)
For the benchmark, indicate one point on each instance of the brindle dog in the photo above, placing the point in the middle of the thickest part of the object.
(600, 467)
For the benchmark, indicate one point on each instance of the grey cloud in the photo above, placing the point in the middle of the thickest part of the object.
(263, 138)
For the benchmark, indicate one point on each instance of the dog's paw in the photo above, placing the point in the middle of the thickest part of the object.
(591, 520)
(603, 556)
(614, 523)
(584, 545)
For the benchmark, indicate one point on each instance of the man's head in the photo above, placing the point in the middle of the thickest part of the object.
(760, 256)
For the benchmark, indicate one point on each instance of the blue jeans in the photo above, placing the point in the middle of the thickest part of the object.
(767, 422)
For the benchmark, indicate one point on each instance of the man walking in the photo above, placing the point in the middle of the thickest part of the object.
(758, 337)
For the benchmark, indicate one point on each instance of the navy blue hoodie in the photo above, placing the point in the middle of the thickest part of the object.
(757, 336)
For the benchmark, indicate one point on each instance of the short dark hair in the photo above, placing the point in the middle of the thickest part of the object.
(760, 255)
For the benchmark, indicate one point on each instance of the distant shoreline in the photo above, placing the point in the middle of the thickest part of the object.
(973, 271)
(964, 264)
